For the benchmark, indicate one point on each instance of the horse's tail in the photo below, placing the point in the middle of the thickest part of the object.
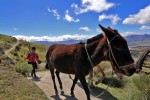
(48, 54)
(46, 66)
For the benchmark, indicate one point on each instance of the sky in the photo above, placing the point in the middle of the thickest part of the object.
(58, 20)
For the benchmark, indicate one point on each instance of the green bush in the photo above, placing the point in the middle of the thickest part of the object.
(113, 82)
(23, 68)
(142, 83)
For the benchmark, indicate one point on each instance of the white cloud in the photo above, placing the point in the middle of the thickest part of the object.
(130, 33)
(53, 38)
(92, 5)
(99, 30)
(54, 12)
(70, 18)
(15, 29)
(114, 18)
(142, 17)
(85, 28)
(144, 27)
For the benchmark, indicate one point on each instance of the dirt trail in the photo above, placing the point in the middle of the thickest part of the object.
(44, 82)
(13, 47)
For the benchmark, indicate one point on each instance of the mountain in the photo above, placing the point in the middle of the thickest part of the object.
(138, 40)
(133, 40)
(48, 43)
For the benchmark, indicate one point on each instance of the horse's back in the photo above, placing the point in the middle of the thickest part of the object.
(62, 57)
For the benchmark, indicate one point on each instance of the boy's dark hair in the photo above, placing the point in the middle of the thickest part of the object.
(33, 48)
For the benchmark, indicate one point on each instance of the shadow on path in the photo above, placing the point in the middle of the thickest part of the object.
(67, 97)
(36, 79)
(95, 91)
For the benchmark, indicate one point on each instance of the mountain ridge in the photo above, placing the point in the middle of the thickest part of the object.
(132, 40)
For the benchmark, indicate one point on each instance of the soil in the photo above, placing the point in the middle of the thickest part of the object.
(44, 82)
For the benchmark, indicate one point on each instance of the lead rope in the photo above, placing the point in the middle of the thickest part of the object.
(92, 69)
(93, 64)
(89, 58)
(110, 52)
(88, 55)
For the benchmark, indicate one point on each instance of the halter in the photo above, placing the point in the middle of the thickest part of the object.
(123, 68)
(109, 43)
(111, 53)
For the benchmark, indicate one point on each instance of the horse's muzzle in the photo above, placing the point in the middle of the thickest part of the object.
(128, 69)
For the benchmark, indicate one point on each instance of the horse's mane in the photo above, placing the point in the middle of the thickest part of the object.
(95, 38)
(92, 39)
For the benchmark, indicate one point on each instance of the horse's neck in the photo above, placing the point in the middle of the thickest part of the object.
(96, 50)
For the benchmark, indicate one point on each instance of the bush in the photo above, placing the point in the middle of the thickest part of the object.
(113, 82)
(23, 68)
(142, 83)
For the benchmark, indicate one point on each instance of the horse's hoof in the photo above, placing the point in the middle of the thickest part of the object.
(56, 92)
(72, 94)
(61, 87)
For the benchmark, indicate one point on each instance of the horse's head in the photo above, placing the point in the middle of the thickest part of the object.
(118, 52)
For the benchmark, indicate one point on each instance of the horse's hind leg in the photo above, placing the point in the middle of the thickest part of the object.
(70, 76)
(84, 84)
(59, 80)
(53, 78)
(73, 85)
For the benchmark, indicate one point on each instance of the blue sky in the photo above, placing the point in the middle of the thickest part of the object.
(55, 20)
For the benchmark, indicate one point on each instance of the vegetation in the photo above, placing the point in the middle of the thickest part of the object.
(7, 41)
(20, 52)
(13, 85)
(136, 87)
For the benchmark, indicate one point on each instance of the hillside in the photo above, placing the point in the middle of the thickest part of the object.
(7, 41)
(13, 85)
(138, 40)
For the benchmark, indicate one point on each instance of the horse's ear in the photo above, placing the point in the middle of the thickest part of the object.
(106, 31)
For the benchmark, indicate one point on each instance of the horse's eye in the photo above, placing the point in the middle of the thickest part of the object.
(117, 48)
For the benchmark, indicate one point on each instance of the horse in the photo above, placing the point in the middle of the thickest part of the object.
(76, 58)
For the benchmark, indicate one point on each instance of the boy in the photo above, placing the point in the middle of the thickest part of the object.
(32, 58)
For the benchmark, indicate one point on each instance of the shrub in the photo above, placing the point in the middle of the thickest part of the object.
(15, 54)
(17, 48)
(142, 83)
(113, 82)
(23, 68)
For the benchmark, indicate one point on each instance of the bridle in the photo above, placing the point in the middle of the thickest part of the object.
(114, 59)
(111, 58)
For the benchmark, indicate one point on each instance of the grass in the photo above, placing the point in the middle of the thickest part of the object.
(7, 41)
(14, 86)
(135, 87)
(19, 55)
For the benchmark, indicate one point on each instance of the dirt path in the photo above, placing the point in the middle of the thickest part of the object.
(44, 82)
(13, 47)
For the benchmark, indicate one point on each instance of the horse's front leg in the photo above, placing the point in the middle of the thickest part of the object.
(59, 80)
(53, 78)
(85, 86)
(73, 85)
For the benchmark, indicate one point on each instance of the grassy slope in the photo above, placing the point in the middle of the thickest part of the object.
(14, 86)
(6, 41)
(20, 56)
(133, 88)
(25, 89)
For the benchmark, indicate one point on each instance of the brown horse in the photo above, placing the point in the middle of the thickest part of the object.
(75, 58)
